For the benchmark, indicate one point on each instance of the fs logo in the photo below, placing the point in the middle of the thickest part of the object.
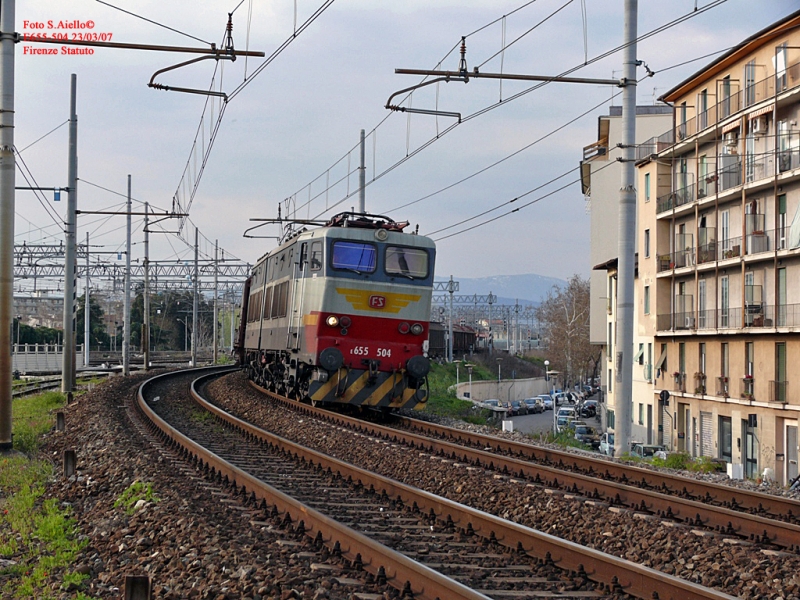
(377, 301)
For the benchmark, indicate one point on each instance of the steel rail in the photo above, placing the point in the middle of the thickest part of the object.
(678, 484)
(617, 573)
(692, 512)
(426, 584)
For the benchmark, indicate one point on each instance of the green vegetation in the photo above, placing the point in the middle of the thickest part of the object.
(135, 492)
(443, 401)
(201, 416)
(684, 462)
(564, 439)
(38, 536)
(32, 418)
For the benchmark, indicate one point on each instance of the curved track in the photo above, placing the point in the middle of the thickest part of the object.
(467, 524)
(763, 518)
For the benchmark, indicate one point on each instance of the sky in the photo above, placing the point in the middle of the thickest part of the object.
(292, 132)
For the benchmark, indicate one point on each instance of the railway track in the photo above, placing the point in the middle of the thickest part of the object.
(763, 518)
(462, 546)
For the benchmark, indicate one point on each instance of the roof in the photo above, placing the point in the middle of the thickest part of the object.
(723, 62)
(609, 265)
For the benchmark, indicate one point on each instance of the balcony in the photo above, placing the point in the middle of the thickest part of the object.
(754, 316)
(731, 102)
(777, 391)
(700, 384)
(722, 387)
(707, 247)
(748, 385)
(679, 382)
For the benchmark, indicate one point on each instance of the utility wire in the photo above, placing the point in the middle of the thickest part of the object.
(43, 201)
(44, 136)
(127, 12)
(507, 157)
(491, 107)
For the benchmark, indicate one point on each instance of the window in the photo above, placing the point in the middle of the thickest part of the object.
(647, 299)
(749, 357)
(782, 222)
(316, 256)
(408, 262)
(610, 379)
(280, 295)
(610, 418)
(640, 354)
(725, 96)
(723, 301)
(647, 243)
(647, 187)
(702, 108)
(779, 393)
(780, 68)
(702, 358)
(641, 414)
(723, 353)
(781, 305)
(750, 83)
(354, 256)
(682, 357)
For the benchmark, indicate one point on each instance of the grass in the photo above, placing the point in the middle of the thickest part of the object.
(35, 533)
(136, 491)
(443, 401)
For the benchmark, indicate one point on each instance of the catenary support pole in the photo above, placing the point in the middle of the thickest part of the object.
(70, 247)
(87, 313)
(623, 401)
(146, 324)
(216, 294)
(195, 299)
(7, 176)
(126, 317)
(450, 288)
(362, 177)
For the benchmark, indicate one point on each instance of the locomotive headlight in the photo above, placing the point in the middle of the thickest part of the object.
(416, 329)
(381, 235)
(332, 320)
(345, 322)
(404, 328)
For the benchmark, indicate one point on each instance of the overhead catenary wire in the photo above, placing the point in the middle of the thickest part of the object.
(54, 129)
(486, 109)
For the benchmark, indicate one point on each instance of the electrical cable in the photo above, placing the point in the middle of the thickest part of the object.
(36, 192)
(44, 136)
(154, 22)
(491, 107)
(507, 157)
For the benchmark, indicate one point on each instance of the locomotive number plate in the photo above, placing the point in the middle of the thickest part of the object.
(364, 351)
(377, 301)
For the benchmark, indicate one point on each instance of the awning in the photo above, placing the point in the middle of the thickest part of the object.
(639, 354)
(662, 359)
(731, 126)
(761, 111)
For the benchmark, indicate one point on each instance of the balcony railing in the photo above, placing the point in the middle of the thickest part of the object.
(700, 384)
(777, 391)
(732, 103)
(756, 315)
(679, 382)
(748, 385)
(723, 390)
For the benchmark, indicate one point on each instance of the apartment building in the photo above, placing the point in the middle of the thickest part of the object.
(718, 286)
(600, 177)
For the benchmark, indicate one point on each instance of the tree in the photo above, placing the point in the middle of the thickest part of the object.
(98, 336)
(564, 321)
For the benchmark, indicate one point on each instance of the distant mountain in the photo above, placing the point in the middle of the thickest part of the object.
(528, 289)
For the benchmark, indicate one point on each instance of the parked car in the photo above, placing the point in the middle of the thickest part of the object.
(649, 451)
(535, 405)
(547, 400)
(587, 435)
(492, 403)
(588, 408)
(606, 445)
(515, 408)
(563, 398)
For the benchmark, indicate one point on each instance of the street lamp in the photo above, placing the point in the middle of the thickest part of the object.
(469, 370)
(185, 334)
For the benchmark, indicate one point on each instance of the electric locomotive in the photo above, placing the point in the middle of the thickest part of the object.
(340, 314)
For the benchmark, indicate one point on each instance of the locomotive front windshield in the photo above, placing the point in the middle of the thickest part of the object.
(409, 262)
(354, 256)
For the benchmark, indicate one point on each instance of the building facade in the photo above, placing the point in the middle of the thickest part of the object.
(718, 286)
(601, 177)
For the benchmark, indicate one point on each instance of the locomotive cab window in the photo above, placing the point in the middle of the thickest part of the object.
(354, 256)
(408, 262)
(316, 256)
